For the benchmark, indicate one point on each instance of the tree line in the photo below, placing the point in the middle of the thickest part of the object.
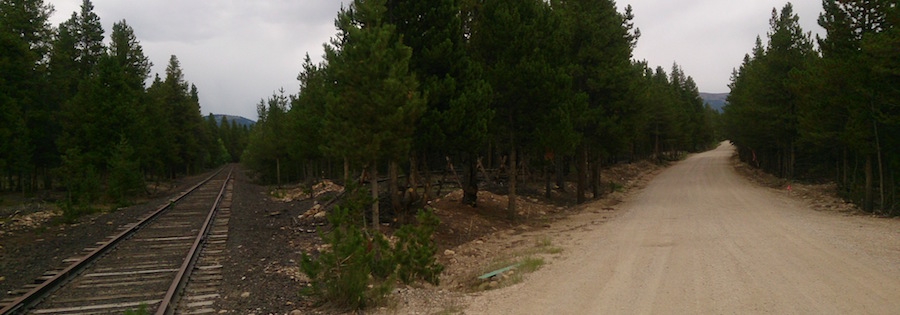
(406, 86)
(826, 111)
(77, 112)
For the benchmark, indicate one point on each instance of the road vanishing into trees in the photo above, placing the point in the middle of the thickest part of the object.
(701, 239)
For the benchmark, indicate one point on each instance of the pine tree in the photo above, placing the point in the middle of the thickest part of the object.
(90, 121)
(108, 104)
(506, 38)
(764, 105)
(600, 48)
(25, 41)
(307, 115)
(88, 33)
(128, 53)
(64, 69)
(850, 105)
(125, 177)
(180, 102)
(371, 116)
(455, 122)
(159, 152)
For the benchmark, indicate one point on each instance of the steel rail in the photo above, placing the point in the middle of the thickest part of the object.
(32, 297)
(167, 306)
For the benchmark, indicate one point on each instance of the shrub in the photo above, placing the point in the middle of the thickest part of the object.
(343, 273)
(359, 268)
(415, 250)
(125, 177)
(82, 185)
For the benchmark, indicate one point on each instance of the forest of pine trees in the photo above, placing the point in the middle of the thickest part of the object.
(829, 111)
(77, 113)
(406, 86)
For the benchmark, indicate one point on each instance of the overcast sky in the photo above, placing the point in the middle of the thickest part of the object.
(239, 51)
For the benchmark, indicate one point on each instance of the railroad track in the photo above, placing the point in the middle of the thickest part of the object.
(148, 264)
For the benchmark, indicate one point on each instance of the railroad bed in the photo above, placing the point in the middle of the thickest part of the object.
(146, 265)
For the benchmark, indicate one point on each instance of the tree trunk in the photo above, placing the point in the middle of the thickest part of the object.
(582, 175)
(867, 201)
(656, 144)
(47, 179)
(328, 164)
(890, 191)
(310, 177)
(512, 182)
(846, 169)
(560, 174)
(484, 172)
(880, 165)
(596, 179)
(278, 171)
(346, 171)
(546, 182)
(426, 195)
(792, 161)
(413, 191)
(374, 181)
(393, 186)
(470, 184)
(490, 154)
(453, 171)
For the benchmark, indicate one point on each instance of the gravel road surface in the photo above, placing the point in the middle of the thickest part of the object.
(700, 239)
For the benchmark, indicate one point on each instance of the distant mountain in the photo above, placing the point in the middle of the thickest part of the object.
(715, 100)
(241, 121)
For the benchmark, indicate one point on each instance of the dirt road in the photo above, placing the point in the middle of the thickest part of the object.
(700, 239)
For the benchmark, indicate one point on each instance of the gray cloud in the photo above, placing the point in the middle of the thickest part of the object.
(239, 51)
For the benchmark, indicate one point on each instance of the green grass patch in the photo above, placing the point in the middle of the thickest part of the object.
(450, 310)
(543, 245)
(141, 310)
(525, 261)
(530, 264)
(523, 265)
(616, 187)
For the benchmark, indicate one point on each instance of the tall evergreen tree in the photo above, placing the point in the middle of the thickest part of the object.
(180, 104)
(25, 37)
(600, 48)
(372, 114)
(455, 121)
(64, 68)
(851, 102)
(307, 114)
(270, 140)
(159, 153)
(765, 102)
(128, 53)
(84, 116)
(88, 33)
(506, 37)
